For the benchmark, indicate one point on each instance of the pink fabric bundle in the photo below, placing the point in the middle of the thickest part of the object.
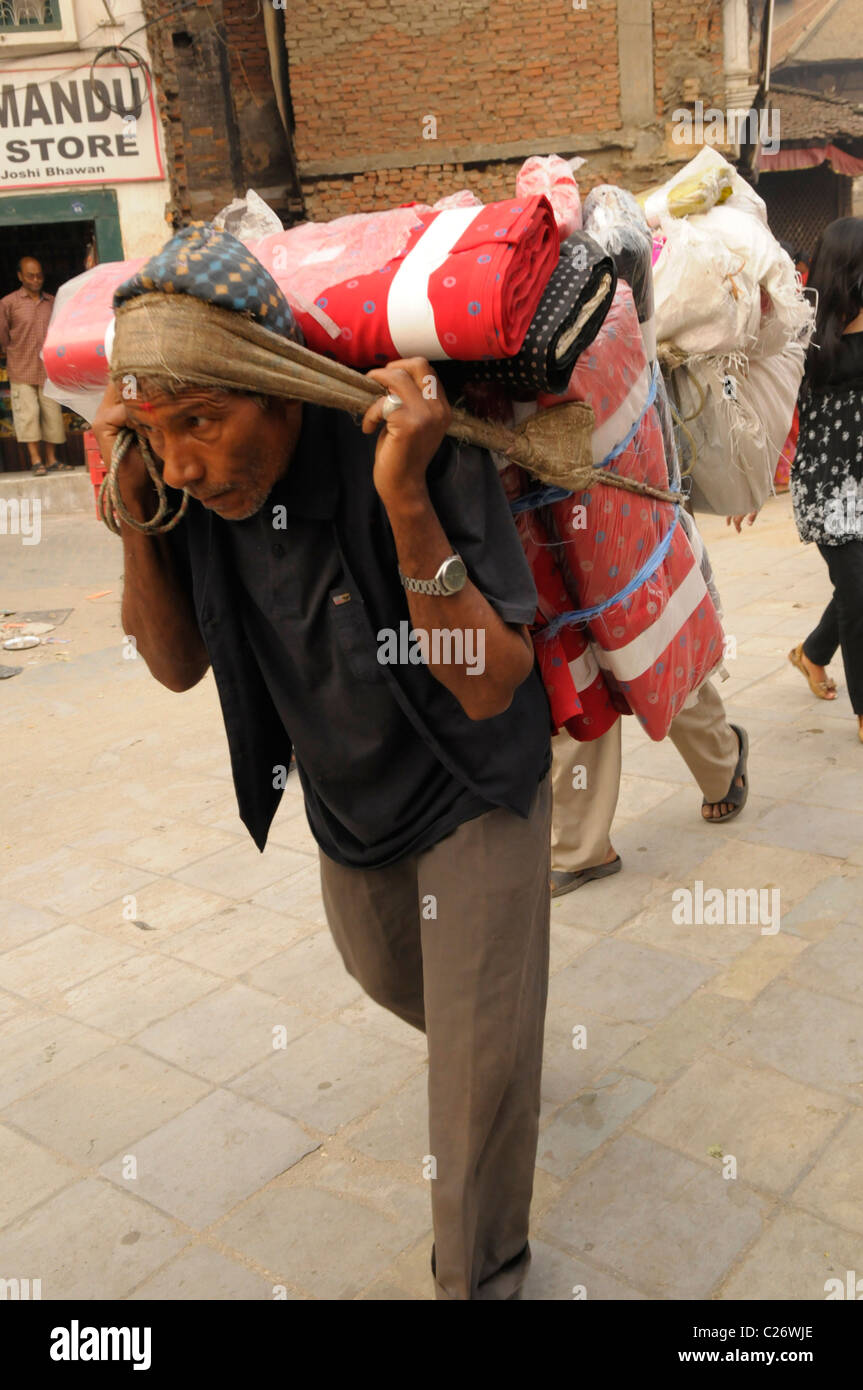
(552, 176)
(74, 350)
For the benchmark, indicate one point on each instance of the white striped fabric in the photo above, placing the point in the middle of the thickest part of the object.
(636, 657)
(617, 426)
(584, 670)
(410, 316)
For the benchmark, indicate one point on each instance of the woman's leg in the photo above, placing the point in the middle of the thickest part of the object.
(820, 646)
(845, 563)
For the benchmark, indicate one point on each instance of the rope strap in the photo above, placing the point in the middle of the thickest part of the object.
(113, 509)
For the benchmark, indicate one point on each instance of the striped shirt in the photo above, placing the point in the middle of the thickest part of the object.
(23, 326)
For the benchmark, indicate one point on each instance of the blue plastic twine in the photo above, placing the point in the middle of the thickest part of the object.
(544, 496)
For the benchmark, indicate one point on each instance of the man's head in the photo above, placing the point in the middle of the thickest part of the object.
(226, 449)
(30, 274)
(181, 342)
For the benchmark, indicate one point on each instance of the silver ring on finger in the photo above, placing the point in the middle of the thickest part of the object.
(391, 402)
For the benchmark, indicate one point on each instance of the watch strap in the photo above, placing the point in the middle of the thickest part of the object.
(433, 587)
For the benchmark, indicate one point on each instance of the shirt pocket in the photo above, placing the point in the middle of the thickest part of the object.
(354, 633)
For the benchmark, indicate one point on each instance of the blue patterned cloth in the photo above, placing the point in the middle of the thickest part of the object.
(212, 265)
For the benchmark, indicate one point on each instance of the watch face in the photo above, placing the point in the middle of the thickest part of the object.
(454, 575)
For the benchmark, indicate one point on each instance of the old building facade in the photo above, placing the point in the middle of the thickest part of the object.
(326, 108)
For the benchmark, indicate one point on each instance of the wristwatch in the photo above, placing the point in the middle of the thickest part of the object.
(450, 578)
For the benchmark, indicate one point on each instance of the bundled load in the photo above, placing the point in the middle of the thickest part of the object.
(651, 630)
(532, 312)
(733, 324)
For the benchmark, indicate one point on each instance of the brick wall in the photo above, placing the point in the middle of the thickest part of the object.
(219, 111)
(501, 80)
(687, 44)
(491, 80)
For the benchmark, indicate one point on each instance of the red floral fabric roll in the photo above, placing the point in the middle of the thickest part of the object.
(464, 283)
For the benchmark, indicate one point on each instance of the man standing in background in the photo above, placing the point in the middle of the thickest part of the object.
(24, 317)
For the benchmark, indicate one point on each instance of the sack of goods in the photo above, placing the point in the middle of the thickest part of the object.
(732, 323)
(539, 315)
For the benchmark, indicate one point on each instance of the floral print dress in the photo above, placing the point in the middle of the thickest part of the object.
(827, 477)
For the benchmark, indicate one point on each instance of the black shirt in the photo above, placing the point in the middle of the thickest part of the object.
(291, 602)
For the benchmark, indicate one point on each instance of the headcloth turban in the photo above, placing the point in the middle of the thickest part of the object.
(203, 312)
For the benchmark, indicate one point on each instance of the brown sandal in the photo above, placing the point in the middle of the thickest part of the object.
(822, 689)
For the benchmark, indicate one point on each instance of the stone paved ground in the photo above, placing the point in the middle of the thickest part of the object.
(147, 1044)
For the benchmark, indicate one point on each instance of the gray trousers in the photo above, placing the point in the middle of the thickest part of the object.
(474, 978)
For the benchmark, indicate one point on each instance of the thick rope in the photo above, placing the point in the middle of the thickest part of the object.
(113, 509)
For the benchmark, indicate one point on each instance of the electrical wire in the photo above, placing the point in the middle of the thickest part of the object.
(76, 67)
(138, 60)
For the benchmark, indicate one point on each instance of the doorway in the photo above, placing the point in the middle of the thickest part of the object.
(60, 229)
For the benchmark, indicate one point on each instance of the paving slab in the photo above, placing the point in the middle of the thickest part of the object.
(310, 973)
(70, 883)
(113, 1099)
(833, 1188)
(579, 1047)
(173, 846)
(808, 1037)
(835, 899)
(202, 1163)
(794, 1260)
(556, 1276)
(164, 906)
(201, 1273)
(226, 1032)
(19, 922)
(589, 1120)
(299, 1234)
(298, 895)
(601, 906)
(834, 965)
(681, 1036)
(328, 1076)
(143, 989)
(398, 1130)
(30, 1174)
(58, 960)
(236, 939)
(656, 1219)
(89, 1242)
(35, 1049)
(241, 871)
(773, 1128)
(625, 981)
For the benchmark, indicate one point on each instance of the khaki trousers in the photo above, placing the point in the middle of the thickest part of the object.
(582, 817)
(35, 416)
(474, 978)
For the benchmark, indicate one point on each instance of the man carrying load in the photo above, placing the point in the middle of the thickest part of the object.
(426, 784)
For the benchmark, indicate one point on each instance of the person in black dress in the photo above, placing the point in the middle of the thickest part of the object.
(827, 477)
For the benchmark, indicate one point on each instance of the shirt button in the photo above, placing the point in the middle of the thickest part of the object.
(278, 550)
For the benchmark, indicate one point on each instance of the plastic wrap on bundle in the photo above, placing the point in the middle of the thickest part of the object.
(705, 182)
(572, 308)
(77, 345)
(696, 194)
(248, 218)
(553, 176)
(578, 696)
(627, 564)
(738, 415)
(669, 440)
(614, 218)
(722, 282)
